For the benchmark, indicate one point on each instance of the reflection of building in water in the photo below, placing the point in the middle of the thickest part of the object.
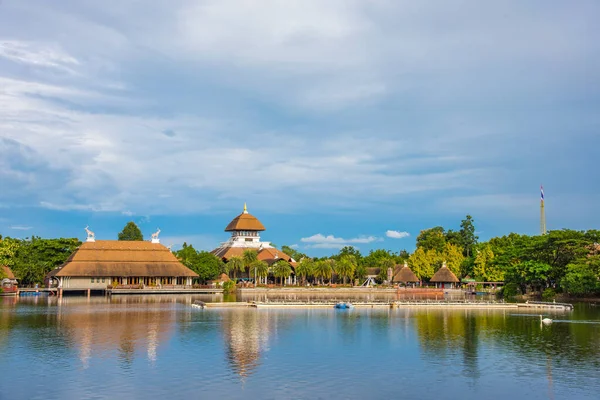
(102, 328)
(246, 335)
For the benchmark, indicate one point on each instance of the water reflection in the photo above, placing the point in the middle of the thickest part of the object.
(153, 345)
(246, 336)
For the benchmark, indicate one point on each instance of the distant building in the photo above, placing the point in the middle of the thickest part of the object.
(97, 264)
(245, 235)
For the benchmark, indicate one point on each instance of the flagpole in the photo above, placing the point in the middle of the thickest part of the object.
(542, 212)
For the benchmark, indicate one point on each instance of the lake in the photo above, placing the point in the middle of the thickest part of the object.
(158, 347)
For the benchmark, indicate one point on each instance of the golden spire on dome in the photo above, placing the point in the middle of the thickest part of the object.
(245, 208)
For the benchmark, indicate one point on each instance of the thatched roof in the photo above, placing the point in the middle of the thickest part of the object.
(7, 271)
(245, 222)
(268, 254)
(404, 274)
(123, 258)
(221, 278)
(373, 271)
(444, 275)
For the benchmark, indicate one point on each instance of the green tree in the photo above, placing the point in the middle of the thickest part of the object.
(305, 268)
(349, 251)
(454, 258)
(131, 232)
(260, 269)
(383, 265)
(345, 267)
(467, 235)
(234, 264)
(432, 239)
(422, 262)
(35, 257)
(205, 264)
(282, 269)
(8, 250)
(580, 280)
(360, 273)
(295, 254)
(249, 256)
(323, 269)
(483, 260)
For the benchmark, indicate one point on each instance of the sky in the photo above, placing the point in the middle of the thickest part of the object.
(338, 122)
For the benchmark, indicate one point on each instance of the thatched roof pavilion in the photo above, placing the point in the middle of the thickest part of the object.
(9, 278)
(245, 230)
(99, 263)
(444, 276)
(405, 274)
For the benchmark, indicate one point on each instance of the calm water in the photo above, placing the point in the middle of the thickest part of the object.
(160, 347)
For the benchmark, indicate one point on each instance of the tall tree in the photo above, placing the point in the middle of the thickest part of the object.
(422, 262)
(234, 265)
(131, 232)
(432, 239)
(345, 267)
(467, 234)
(305, 268)
(282, 269)
(260, 269)
(249, 256)
(454, 258)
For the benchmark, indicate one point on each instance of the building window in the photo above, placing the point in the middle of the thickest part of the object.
(103, 280)
(92, 280)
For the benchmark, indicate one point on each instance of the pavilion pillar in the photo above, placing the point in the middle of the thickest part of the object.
(89, 292)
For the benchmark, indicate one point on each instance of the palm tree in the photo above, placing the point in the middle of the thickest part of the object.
(249, 256)
(345, 267)
(234, 264)
(305, 268)
(261, 269)
(282, 269)
(323, 269)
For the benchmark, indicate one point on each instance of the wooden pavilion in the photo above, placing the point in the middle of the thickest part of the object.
(97, 264)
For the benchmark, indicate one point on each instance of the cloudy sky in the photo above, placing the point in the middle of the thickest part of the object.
(338, 122)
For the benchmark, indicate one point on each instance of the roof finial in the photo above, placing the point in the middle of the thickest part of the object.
(245, 208)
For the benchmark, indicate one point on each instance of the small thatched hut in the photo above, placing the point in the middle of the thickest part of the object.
(444, 278)
(219, 280)
(404, 274)
(9, 279)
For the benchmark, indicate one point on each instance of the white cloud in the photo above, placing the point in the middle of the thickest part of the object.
(297, 81)
(294, 246)
(20, 227)
(396, 234)
(37, 54)
(320, 241)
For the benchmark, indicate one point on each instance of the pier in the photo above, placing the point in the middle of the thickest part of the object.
(397, 304)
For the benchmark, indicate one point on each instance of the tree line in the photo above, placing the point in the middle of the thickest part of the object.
(562, 261)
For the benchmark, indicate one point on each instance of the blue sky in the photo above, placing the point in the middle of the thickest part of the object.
(336, 121)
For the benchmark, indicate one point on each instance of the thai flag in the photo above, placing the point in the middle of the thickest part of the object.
(542, 193)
